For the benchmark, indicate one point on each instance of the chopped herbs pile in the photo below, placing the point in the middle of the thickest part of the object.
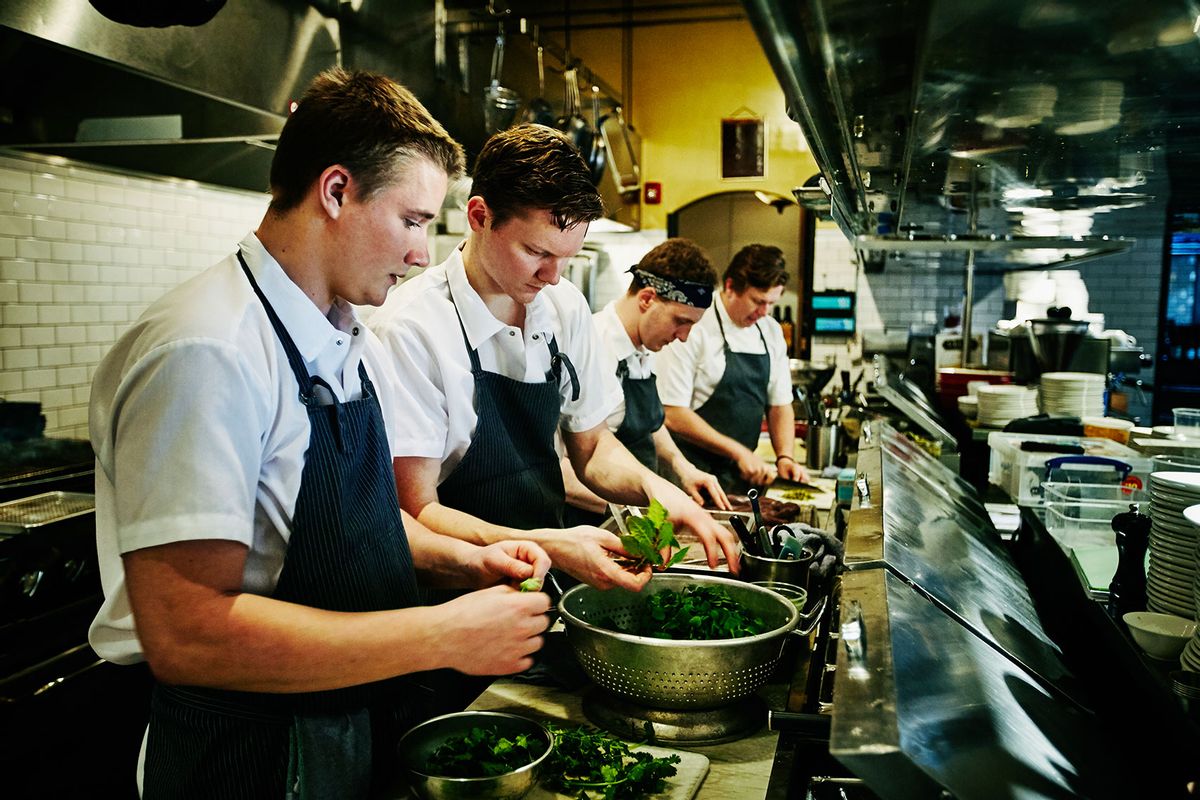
(587, 763)
(697, 612)
(483, 753)
(649, 536)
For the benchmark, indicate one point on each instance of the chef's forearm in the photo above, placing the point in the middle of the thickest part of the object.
(781, 424)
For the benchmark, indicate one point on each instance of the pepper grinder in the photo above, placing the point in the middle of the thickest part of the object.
(1127, 592)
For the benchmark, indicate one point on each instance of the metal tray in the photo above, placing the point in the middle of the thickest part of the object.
(31, 513)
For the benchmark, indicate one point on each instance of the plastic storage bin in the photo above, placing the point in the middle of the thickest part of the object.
(1118, 494)
(1076, 525)
(1021, 472)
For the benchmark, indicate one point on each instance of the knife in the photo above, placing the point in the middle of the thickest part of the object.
(619, 518)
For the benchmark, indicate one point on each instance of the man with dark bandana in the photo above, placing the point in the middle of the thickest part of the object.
(670, 289)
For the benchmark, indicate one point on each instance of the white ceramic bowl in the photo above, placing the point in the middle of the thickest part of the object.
(1160, 636)
(968, 406)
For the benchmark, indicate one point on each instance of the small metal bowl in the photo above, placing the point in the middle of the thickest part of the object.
(418, 744)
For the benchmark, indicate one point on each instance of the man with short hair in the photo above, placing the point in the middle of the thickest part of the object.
(717, 386)
(251, 547)
(670, 288)
(499, 354)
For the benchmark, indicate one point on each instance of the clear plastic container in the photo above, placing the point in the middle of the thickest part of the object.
(1022, 472)
(1117, 494)
(1083, 524)
(1187, 423)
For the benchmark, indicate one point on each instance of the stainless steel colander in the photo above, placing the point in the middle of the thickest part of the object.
(673, 674)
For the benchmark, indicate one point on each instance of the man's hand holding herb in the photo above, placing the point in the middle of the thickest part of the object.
(590, 554)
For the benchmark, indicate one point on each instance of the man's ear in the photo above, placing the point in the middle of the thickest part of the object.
(333, 184)
(478, 213)
(645, 297)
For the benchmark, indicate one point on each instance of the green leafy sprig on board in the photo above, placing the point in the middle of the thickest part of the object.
(587, 763)
(648, 536)
(482, 752)
(696, 612)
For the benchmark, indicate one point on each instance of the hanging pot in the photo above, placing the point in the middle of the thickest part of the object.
(540, 111)
(598, 158)
(571, 122)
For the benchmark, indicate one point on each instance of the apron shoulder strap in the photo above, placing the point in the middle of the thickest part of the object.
(557, 362)
(472, 353)
(307, 396)
(721, 325)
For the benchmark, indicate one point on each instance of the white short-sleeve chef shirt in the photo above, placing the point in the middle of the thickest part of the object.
(198, 428)
(688, 372)
(419, 326)
(617, 347)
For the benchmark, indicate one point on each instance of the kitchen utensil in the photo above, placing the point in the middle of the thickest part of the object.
(667, 673)
(500, 104)
(418, 744)
(598, 157)
(758, 520)
(749, 542)
(622, 151)
(759, 569)
(540, 111)
(571, 123)
(820, 445)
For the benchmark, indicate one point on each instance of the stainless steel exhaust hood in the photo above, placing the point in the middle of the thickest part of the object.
(204, 103)
(1025, 131)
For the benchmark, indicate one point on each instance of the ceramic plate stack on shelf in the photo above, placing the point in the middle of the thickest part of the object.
(1191, 651)
(1171, 583)
(1072, 394)
(1000, 404)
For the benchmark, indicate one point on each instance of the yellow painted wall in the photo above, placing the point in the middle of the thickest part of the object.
(686, 78)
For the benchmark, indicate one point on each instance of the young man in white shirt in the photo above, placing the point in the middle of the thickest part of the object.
(251, 546)
(731, 372)
(671, 287)
(499, 354)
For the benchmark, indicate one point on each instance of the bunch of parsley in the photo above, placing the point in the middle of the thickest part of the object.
(696, 612)
(648, 536)
(482, 752)
(586, 760)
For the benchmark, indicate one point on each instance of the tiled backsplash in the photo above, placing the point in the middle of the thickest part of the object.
(83, 251)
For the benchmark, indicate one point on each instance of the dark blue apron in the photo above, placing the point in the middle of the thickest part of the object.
(510, 473)
(735, 408)
(347, 552)
(643, 415)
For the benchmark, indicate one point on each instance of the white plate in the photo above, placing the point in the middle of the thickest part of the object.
(1185, 482)
(1192, 515)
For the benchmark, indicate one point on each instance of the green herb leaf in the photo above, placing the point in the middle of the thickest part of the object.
(587, 763)
(482, 752)
(531, 585)
(696, 612)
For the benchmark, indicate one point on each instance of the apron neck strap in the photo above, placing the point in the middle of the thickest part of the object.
(307, 396)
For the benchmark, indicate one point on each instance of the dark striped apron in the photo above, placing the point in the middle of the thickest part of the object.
(347, 552)
(510, 473)
(643, 415)
(735, 408)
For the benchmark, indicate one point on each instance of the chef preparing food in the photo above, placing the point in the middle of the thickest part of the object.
(733, 369)
(671, 286)
(499, 354)
(251, 546)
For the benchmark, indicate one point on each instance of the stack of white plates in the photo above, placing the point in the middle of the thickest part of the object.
(1191, 652)
(1072, 394)
(1000, 404)
(1171, 582)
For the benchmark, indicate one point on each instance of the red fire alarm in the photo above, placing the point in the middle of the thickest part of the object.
(652, 194)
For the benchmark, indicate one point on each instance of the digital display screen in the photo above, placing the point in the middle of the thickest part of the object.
(832, 303)
(834, 324)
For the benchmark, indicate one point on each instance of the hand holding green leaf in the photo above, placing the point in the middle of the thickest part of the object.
(649, 536)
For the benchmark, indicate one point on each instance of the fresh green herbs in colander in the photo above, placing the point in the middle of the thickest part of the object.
(482, 753)
(648, 536)
(587, 763)
(696, 612)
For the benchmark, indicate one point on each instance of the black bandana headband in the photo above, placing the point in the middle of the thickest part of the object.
(690, 293)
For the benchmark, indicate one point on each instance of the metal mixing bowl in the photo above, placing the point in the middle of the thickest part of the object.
(667, 673)
(418, 744)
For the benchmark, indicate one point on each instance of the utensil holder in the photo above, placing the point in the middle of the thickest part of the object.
(767, 571)
(820, 445)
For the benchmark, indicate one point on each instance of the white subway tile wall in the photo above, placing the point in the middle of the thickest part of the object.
(83, 251)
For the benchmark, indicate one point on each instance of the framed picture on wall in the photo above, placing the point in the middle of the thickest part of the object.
(743, 147)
